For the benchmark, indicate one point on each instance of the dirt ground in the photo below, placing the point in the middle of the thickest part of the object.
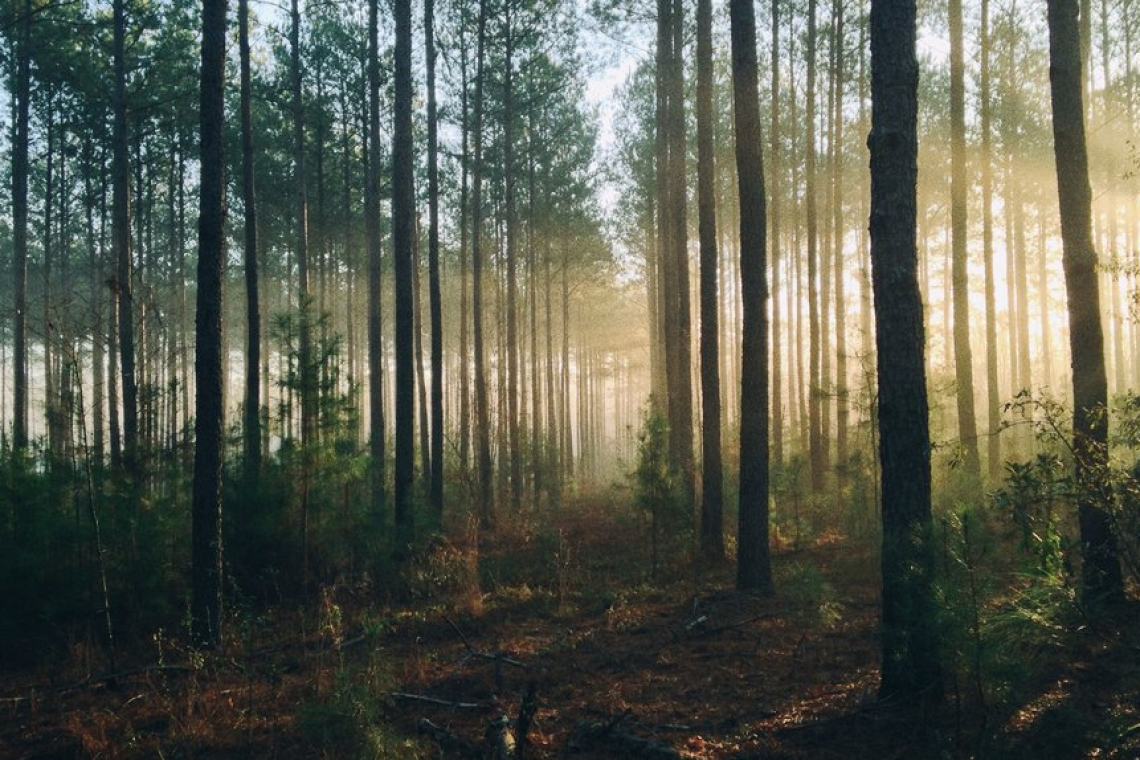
(617, 665)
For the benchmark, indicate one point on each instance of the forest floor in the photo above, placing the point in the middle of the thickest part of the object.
(619, 665)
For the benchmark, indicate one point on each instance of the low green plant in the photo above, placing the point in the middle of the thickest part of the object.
(351, 719)
(658, 488)
(813, 598)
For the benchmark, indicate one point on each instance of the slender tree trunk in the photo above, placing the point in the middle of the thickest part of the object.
(1022, 277)
(963, 356)
(403, 232)
(664, 266)
(1101, 576)
(252, 421)
(681, 396)
(305, 357)
(98, 330)
(536, 458)
(568, 444)
(375, 284)
(482, 413)
(841, 399)
(777, 452)
(121, 239)
(910, 663)
(464, 307)
(553, 430)
(753, 569)
(816, 455)
(512, 345)
(712, 506)
(206, 540)
(418, 349)
(22, 97)
(435, 305)
(993, 406)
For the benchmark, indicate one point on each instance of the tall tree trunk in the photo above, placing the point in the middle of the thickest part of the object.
(841, 400)
(98, 330)
(206, 527)
(372, 233)
(121, 239)
(22, 97)
(403, 232)
(910, 662)
(993, 406)
(816, 454)
(305, 357)
(435, 305)
(664, 267)
(753, 570)
(512, 346)
(252, 417)
(418, 349)
(681, 395)
(567, 430)
(307, 368)
(1101, 576)
(963, 357)
(777, 183)
(536, 457)
(482, 413)
(712, 506)
(464, 307)
(555, 472)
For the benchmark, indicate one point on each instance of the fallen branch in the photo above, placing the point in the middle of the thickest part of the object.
(496, 657)
(440, 702)
(730, 626)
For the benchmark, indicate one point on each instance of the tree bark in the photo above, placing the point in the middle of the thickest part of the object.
(482, 413)
(841, 399)
(910, 663)
(22, 95)
(1101, 576)
(515, 453)
(777, 176)
(963, 357)
(252, 418)
(816, 455)
(753, 570)
(403, 219)
(435, 303)
(375, 284)
(206, 528)
(712, 499)
(993, 407)
(121, 240)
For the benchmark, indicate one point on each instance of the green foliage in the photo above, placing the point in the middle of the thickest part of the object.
(659, 488)
(814, 600)
(351, 722)
(50, 573)
(1032, 503)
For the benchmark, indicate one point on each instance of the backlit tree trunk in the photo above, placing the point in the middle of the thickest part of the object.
(1101, 576)
(753, 561)
(910, 662)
